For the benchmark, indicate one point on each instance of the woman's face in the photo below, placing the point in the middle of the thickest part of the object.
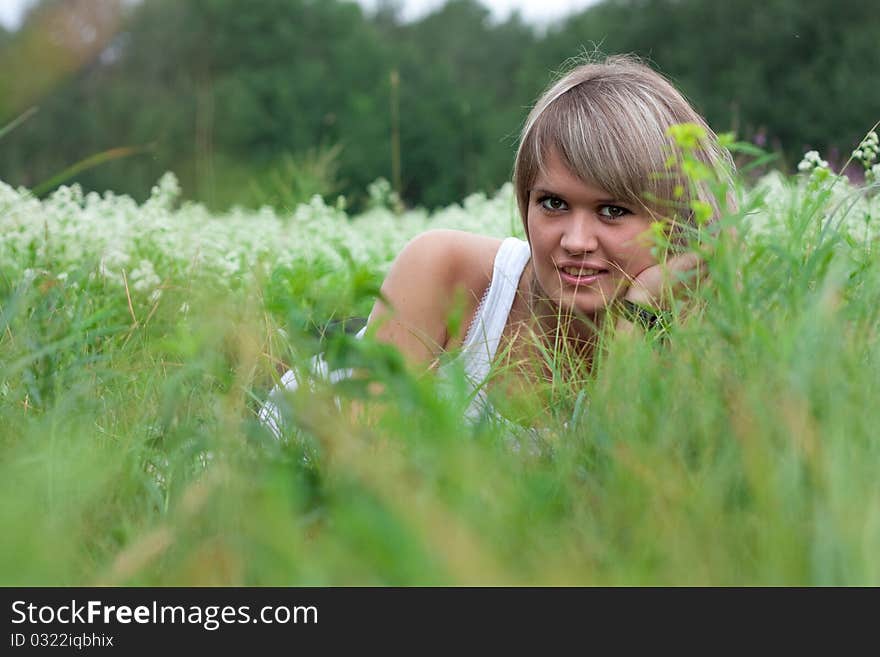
(586, 246)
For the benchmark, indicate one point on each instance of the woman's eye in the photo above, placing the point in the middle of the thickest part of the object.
(552, 203)
(613, 211)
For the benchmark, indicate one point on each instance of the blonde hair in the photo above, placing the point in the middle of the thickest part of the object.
(608, 123)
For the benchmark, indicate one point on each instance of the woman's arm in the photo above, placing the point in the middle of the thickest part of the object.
(418, 295)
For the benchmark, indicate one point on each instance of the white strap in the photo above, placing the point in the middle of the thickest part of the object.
(485, 331)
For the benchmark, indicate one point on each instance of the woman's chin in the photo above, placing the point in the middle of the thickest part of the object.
(583, 307)
(587, 301)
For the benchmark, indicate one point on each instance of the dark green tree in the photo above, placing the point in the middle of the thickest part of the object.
(237, 100)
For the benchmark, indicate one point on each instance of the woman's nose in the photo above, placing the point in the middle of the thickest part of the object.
(580, 235)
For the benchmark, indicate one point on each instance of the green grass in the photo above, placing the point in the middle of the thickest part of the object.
(744, 450)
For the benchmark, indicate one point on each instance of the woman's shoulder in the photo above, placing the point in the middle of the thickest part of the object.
(460, 259)
(437, 275)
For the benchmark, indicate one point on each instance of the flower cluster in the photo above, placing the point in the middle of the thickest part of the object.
(143, 249)
(147, 247)
(778, 200)
(867, 153)
(812, 162)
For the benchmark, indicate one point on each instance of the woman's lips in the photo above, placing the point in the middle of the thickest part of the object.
(581, 280)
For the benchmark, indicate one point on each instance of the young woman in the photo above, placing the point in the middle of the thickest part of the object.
(594, 170)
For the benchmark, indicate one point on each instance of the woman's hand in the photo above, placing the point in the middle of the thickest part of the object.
(655, 286)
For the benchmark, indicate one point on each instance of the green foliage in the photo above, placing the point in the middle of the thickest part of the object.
(139, 341)
(740, 450)
(222, 97)
(290, 181)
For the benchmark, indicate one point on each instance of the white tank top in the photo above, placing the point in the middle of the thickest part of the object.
(477, 350)
(484, 334)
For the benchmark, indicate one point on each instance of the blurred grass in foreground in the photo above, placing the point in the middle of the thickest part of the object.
(743, 451)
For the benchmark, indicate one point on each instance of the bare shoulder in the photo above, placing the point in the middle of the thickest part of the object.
(465, 259)
(426, 280)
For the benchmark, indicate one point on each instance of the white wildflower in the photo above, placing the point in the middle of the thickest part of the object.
(144, 277)
(71, 228)
(812, 162)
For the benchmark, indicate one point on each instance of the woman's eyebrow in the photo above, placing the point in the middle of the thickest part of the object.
(602, 201)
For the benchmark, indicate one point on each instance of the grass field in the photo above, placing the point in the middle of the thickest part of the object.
(137, 343)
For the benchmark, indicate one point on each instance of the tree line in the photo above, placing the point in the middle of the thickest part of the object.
(277, 99)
